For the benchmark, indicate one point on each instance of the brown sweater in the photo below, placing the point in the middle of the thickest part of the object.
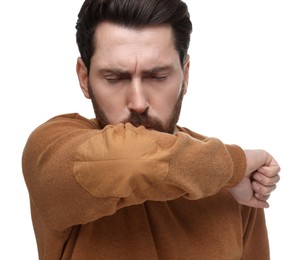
(129, 193)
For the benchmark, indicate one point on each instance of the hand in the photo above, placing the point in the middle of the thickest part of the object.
(259, 181)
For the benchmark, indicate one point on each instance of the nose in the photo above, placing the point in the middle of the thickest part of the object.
(137, 97)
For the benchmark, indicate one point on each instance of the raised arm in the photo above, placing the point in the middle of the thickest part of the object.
(76, 173)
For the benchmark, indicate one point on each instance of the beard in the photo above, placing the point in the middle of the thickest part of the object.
(141, 119)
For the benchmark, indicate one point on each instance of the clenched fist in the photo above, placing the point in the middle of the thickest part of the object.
(259, 181)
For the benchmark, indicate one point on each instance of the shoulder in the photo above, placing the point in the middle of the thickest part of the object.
(61, 127)
(191, 133)
(72, 119)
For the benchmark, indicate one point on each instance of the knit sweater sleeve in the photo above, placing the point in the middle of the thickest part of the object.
(76, 173)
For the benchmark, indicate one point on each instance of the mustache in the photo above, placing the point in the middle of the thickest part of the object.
(143, 119)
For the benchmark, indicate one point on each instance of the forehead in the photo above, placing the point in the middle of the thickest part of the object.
(123, 46)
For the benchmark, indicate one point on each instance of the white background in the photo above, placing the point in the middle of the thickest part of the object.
(245, 81)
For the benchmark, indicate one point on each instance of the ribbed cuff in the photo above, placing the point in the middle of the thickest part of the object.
(239, 164)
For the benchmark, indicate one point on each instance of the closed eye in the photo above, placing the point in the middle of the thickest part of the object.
(157, 77)
(113, 80)
(113, 76)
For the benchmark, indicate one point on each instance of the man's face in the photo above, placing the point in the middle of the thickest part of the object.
(135, 76)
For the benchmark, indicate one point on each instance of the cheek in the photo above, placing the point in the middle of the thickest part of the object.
(112, 104)
(164, 103)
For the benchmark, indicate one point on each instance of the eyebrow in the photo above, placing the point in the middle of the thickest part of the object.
(158, 69)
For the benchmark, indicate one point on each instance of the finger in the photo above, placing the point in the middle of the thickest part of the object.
(261, 197)
(270, 160)
(256, 203)
(270, 170)
(262, 189)
(264, 180)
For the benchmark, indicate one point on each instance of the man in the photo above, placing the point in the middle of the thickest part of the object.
(131, 184)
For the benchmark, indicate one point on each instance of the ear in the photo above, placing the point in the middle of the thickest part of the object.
(186, 73)
(83, 77)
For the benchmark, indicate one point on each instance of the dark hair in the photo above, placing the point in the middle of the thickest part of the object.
(133, 14)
